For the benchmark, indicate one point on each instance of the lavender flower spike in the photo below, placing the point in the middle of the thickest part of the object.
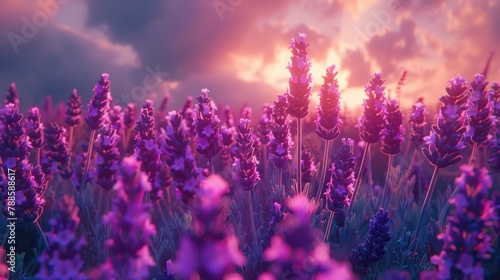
(99, 104)
(281, 142)
(207, 126)
(57, 156)
(62, 259)
(417, 123)
(300, 80)
(328, 122)
(446, 136)
(371, 123)
(265, 124)
(13, 150)
(128, 248)
(107, 158)
(392, 134)
(74, 110)
(467, 243)
(34, 128)
(246, 162)
(479, 111)
(308, 166)
(12, 96)
(116, 116)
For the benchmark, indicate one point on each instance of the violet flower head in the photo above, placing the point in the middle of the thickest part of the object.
(61, 260)
(13, 149)
(246, 162)
(146, 146)
(342, 177)
(228, 115)
(131, 229)
(392, 134)
(246, 112)
(467, 243)
(107, 158)
(57, 156)
(300, 80)
(74, 110)
(182, 164)
(281, 142)
(371, 123)
(494, 94)
(116, 119)
(375, 245)
(98, 107)
(129, 116)
(445, 139)
(265, 124)
(308, 167)
(328, 121)
(34, 128)
(227, 140)
(207, 126)
(417, 123)
(479, 111)
(12, 96)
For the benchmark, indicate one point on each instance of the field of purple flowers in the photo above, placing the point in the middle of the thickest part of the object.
(147, 192)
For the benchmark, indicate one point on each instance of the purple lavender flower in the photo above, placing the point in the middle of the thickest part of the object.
(445, 139)
(207, 251)
(494, 160)
(246, 162)
(265, 124)
(116, 119)
(494, 94)
(281, 142)
(417, 123)
(182, 164)
(146, 146)
(74, 110)
(228, 113)
(13, 149)
(34, 128)
(57, 156)
(107, 158)
(392, 134)
(308, 166)
(479, 111)
(372, 122)
(129, 116)
(300, 80)
(375, 245)
(207, 126)
(62, 258)
(227, 140)
(328, 122)
(296, 245)
(98, 107)
(131, 229)
(246, 112)
(12, 96)
(467, 243)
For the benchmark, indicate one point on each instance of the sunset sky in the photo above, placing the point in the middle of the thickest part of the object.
(238, 49)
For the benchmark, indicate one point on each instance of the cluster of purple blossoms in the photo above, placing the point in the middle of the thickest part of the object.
(300, 80)
(445, 139)
(182, 164)
(98, 107)
(207, 251)
(479, 111)
(146, 146)
(74, 110)
(296, 249)
(12, 96)
(265, 122)
(131, 229)
(227, 140)
(375, 245)
(417, 123)
(392, 134)
(308, 168)
(129, 116)
(61, 260)
(281, 142)
(328, 122)
(372, 122)
(207, 126)
(228, 115)
(116, 119)
(107, 158)
(467, 243)
(57, 155)
(13, 148)
(34, 129)
(245, 162)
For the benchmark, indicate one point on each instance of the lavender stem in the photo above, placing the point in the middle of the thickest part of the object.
(323, 169)
(359, 179)
(87, 163)
(428, 196)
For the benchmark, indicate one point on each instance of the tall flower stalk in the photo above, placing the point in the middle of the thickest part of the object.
(445, 139)
(73, 114)
(12, 96)
(371, 124)
(57, 155)
(299, 90)
(207, 128)
(129, 123)
(34, 129)
(328, 121)
(97, 114)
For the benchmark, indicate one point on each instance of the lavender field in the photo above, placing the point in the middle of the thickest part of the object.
(308, 184)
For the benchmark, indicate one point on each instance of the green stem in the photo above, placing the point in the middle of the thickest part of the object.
(323, 170)
(87, 163)
(329, 226)
(299, 152)
(428, 196)
(254, 232)
(40, 231)
(359, 179)
(70, 137)
(389, 167)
